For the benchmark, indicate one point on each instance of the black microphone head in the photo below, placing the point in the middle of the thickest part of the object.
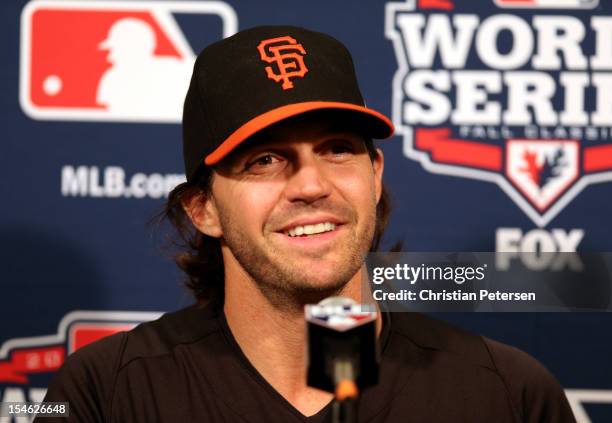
(339, 328)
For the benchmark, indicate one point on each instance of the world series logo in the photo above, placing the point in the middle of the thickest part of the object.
(28, 364)
(511, 92)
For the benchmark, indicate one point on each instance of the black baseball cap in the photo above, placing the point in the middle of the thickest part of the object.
(261, 76)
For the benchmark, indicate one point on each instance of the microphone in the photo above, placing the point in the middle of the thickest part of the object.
(343, 356)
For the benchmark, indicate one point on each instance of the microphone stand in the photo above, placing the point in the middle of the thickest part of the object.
(343, 355)
(346, 393)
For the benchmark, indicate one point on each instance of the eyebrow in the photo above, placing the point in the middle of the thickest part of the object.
(263, 141)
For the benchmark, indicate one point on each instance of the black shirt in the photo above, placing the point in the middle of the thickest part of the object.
(187, 367)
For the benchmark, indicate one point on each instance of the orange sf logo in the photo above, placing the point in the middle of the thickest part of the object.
(287, 54)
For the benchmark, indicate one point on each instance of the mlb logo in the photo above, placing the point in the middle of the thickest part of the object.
(109, 60)
(340, 317)
(542, 170)
(548, 4)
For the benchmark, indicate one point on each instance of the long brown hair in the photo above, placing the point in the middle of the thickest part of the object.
(200, 257)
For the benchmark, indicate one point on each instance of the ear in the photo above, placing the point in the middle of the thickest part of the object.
(203, 214)
(378, 164)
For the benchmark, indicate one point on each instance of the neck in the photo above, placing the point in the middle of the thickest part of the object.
(273, 337)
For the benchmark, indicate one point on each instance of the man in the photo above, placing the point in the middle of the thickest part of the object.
(283, 199)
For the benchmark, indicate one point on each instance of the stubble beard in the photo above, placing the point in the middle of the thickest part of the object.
(287, 286)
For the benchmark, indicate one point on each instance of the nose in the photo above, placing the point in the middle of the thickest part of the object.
(308, 183)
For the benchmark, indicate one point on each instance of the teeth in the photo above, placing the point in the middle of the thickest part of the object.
(311, 229)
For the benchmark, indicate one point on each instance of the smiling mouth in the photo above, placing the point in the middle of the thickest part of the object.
(310, 230)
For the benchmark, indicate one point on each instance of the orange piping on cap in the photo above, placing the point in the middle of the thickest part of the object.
(276, 115)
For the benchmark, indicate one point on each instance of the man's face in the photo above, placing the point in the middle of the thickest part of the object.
(296, 206)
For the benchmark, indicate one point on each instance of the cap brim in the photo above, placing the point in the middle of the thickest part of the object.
(381, 129)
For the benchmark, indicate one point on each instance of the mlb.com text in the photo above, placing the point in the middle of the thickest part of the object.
(112, 182)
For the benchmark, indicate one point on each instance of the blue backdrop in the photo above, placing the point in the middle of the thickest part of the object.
(503, 144)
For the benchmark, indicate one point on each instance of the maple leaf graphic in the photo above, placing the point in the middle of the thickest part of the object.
(542, 174)
(553, 166)
(532, 168)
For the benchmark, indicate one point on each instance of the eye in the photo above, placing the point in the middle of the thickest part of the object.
(341, 148)
(262, 163)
